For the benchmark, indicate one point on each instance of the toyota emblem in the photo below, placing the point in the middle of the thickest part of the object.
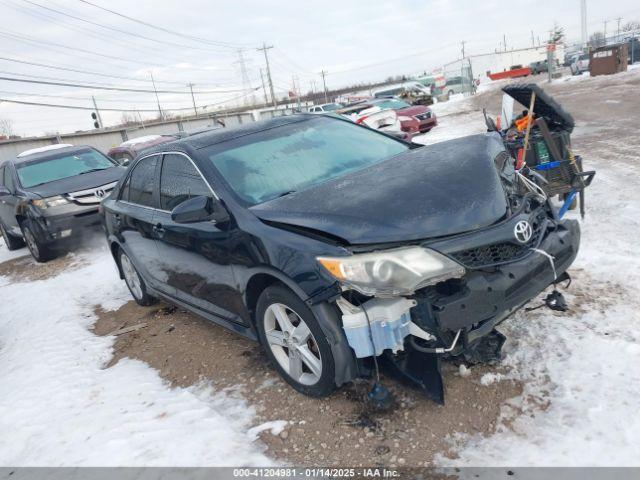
(523, 231)
(100, 193)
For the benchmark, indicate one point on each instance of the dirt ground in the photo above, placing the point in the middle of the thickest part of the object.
(339, 430)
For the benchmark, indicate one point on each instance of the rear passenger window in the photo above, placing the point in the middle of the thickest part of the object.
(179, 181)
(139, 186)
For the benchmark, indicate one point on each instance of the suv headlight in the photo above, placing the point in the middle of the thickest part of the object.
(50, 202)
(392, 272)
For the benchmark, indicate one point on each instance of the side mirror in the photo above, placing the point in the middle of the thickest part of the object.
(200, 209)
(4, 191)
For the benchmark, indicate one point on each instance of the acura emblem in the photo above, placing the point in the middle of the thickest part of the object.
(523, 231)
(100, 193)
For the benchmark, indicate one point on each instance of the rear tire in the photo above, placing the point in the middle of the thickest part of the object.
(134, 281)
(39, 251)
(295, 342)
(12, 242)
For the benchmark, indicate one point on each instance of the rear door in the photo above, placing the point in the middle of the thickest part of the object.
(196, 256)
(134, 215)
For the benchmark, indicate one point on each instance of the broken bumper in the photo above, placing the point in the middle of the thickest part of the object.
(485, 297)
(55, 229)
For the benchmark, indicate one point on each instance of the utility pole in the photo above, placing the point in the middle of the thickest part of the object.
(504, 42)
(533, 43)
(266, 59)
(618, 19)
(264, 90)
(97, 112)
(583, 21)
(605, 31)
(463, 42)
(245, 77)
(195, 110)
(324, 83)
(157, 98)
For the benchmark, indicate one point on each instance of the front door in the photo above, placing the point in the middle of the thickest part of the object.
(134, 215)
(195, 256)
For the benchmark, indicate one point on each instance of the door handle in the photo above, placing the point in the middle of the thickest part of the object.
(158, 229)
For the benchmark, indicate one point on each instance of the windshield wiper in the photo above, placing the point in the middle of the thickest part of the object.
(93, 170)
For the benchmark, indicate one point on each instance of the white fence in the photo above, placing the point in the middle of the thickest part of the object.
(104, 140)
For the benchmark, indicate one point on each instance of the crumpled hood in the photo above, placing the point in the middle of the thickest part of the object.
(79, 182)
(442, 189)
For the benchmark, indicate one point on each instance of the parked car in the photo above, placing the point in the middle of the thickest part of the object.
(384, 119)
(539, 67)
(329, 243)
(408, 114)
(325, 107)
(413, 92)
(457, 85)
(127, 151)
(49, 197)
(580, 64)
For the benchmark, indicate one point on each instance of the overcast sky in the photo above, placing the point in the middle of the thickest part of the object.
(354, 41)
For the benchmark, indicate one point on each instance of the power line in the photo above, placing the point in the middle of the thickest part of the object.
(27, 39)
(144, 37)
(78, 107)
(85, 72)
(120, 89)
(166, 30)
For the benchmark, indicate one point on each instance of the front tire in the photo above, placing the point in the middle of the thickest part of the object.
(12, 242)
(39, 251)
(294, 342)
(134, 282)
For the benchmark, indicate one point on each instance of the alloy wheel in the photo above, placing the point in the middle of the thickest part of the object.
(31, 243)
(131, 277)
(292, 344)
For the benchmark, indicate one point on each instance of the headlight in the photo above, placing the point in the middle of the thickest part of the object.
(50, 202)
(392, 272)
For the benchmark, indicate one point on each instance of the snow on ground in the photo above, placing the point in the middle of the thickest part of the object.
(582, 382)
(60, 406)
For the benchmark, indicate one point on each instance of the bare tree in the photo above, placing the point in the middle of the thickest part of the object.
(631, 26)
(6, 127)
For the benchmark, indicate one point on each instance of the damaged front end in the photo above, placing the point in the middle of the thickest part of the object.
(418, 305)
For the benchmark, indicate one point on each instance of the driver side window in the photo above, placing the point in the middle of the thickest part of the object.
(180, 181)
(8, 179)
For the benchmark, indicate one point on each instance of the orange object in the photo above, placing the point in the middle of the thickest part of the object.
(498, 123)
(521, 123)
(520, 159)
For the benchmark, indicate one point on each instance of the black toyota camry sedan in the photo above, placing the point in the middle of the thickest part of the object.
(331, 244)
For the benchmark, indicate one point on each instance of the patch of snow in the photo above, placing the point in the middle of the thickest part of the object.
(463, 371)
(64, 408)
(6, 254)
(275, 427)
(491, 378)
(43, 149)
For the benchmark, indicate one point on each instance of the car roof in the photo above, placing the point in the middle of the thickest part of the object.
(50, 153)
(213, 137)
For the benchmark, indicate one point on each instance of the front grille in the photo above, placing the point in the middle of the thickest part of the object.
(504, 252)
(91, 196)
